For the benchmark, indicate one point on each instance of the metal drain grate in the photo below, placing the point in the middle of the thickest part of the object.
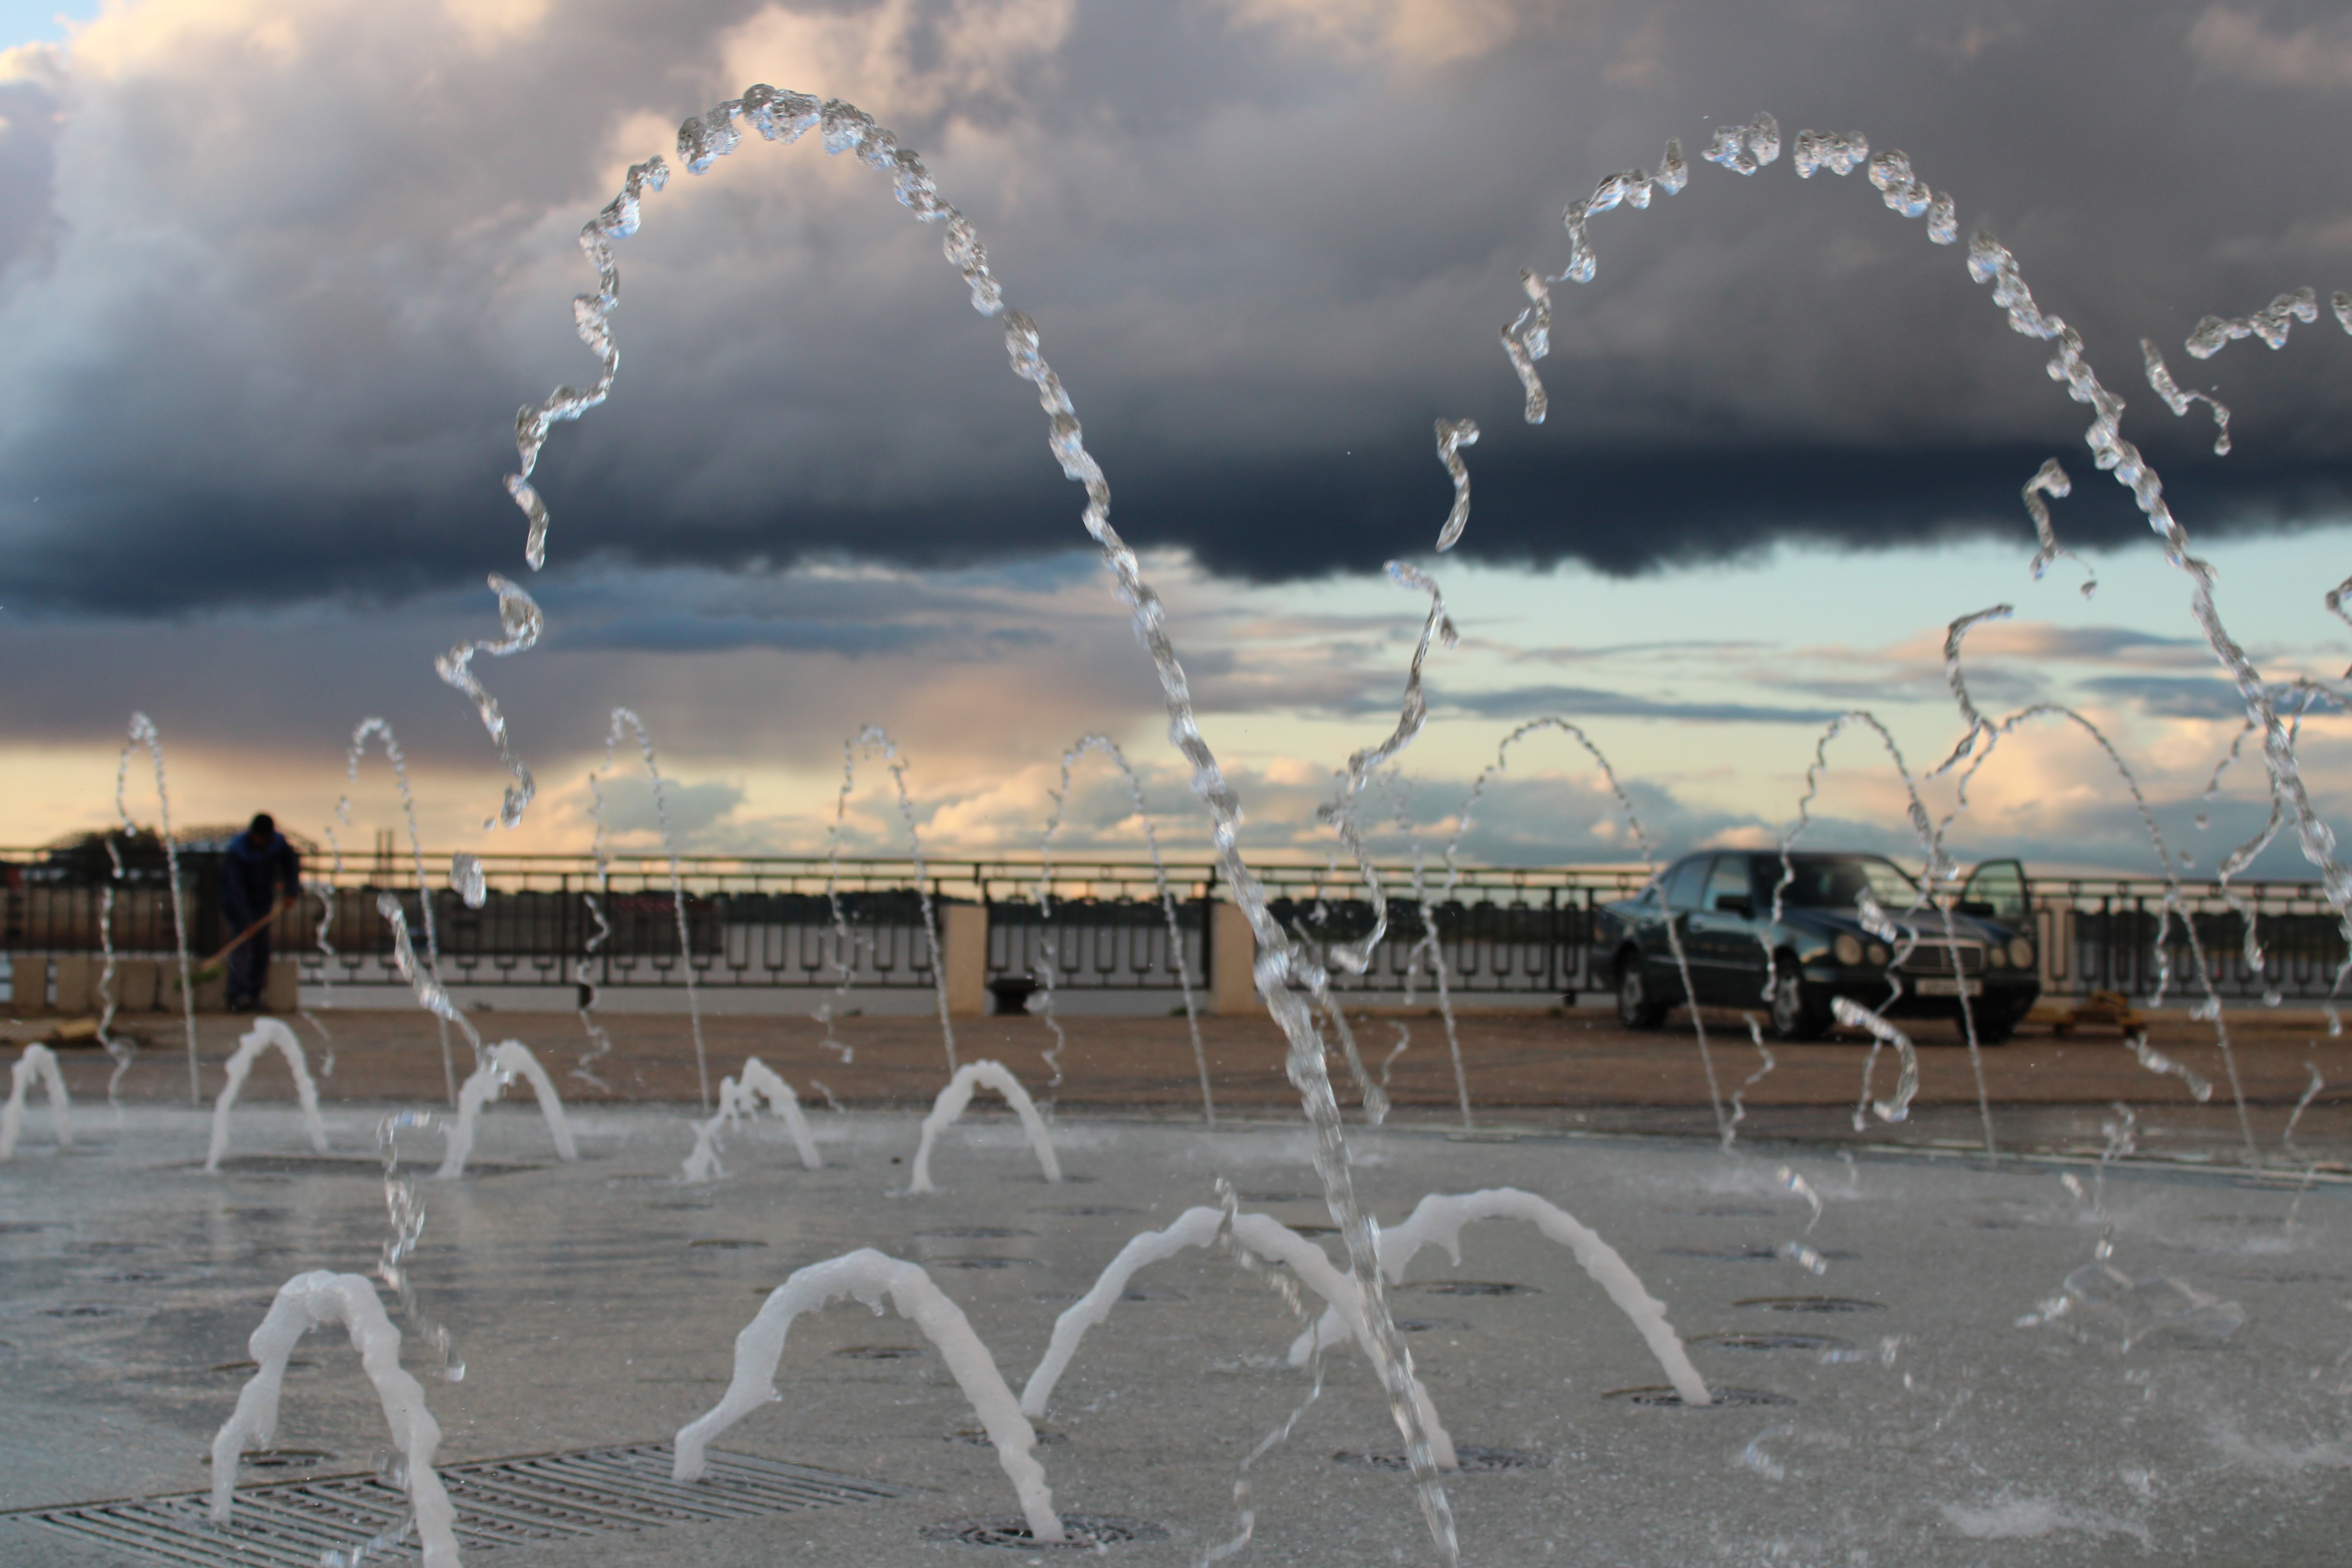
(1470, 1458)
(500, 1502)
(1661, 1398)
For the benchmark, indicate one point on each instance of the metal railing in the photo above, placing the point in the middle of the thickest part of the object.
(770, 922)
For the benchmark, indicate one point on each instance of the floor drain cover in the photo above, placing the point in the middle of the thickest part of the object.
(1811, 1304)
(1085, 1533)
(1662, 1398)
(979, 1438)
(1815, 1342)
(1470, 1458)
(1474, 1288)
(500, 1502)
(880, 1351)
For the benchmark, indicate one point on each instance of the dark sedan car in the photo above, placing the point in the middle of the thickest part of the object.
(1918, 963)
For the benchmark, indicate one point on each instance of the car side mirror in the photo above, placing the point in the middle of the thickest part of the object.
(1734, 904)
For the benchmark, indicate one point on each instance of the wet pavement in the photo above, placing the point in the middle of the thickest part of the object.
(1889, 1409)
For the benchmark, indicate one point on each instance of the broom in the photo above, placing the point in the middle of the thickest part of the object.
(213, 967)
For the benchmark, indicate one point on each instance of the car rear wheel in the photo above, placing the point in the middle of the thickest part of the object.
(1797, 1013)
(1636, 1007)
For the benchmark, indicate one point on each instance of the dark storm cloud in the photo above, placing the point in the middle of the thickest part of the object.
(272, 353)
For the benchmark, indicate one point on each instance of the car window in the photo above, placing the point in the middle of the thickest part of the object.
(1827, 882)
(1685, 881)
(1729, 877)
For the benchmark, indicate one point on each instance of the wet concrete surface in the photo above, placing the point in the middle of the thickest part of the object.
(596, 1303)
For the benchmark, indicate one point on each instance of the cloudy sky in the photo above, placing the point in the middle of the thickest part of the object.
(277, 272)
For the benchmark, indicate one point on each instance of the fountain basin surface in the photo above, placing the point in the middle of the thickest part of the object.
(589, 1319)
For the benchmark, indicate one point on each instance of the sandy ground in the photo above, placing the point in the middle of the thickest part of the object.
(1570, 1069)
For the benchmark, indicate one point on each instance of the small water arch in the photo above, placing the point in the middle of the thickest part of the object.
(957, 1094)
(250, 1047)
(313, 1301)
(869, 1276)
(505, 1059)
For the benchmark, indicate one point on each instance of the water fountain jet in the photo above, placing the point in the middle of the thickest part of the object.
(957, 1094)
(870, 1276)
(1203, 1227)
(313, 1301)
(1437, 1221)
(505, 1061)
(38, 1061)
(738, 1097)
(264, 1034)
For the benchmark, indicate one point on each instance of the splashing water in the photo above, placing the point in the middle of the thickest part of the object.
(873, 739)
(405, 1212)
(870, 1276)
(2286, 1134)
(1738, 1095)
(738, 1097)
(1287, 1288)
(37, 1061)
(430, 994)
(2160, 378)
(1260, 1233)
(519, 614)
(624, 716)
(265, 1034)
(2051, 480)
(1754, 1457)
(119, 1048)
(1437, 1221)
(325, 893)
(1853, 1015)
(2156, 1061)
(583, 969)
(1109, 748)
(1453, 435)
(469, 881)
(313, 1301)
(1991, 263)
(143, 733)
(2272, 324)
(2167, 864)
(1796, 1184)
(957, 1095)
(507, 1059)
(444, 1015)
(1462, 818)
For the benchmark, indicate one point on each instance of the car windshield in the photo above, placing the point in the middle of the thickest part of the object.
(1837, 882)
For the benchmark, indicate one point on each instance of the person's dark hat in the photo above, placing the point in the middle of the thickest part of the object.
(262, 826)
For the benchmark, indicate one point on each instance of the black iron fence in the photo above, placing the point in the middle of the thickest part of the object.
(551, 920)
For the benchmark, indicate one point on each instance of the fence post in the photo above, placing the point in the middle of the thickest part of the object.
(1233, 959)
(963, 938)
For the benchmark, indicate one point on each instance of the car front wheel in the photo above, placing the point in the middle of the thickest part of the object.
(1795, 1014)
(1636, 1007)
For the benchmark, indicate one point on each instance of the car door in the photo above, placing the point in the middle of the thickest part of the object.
(1998, 890)
(1721, 937)
(1683, 886)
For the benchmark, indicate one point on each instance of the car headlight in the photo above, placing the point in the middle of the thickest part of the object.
(2021, 952)
(1848, 948)
(1997, 955)
(1878, 954)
